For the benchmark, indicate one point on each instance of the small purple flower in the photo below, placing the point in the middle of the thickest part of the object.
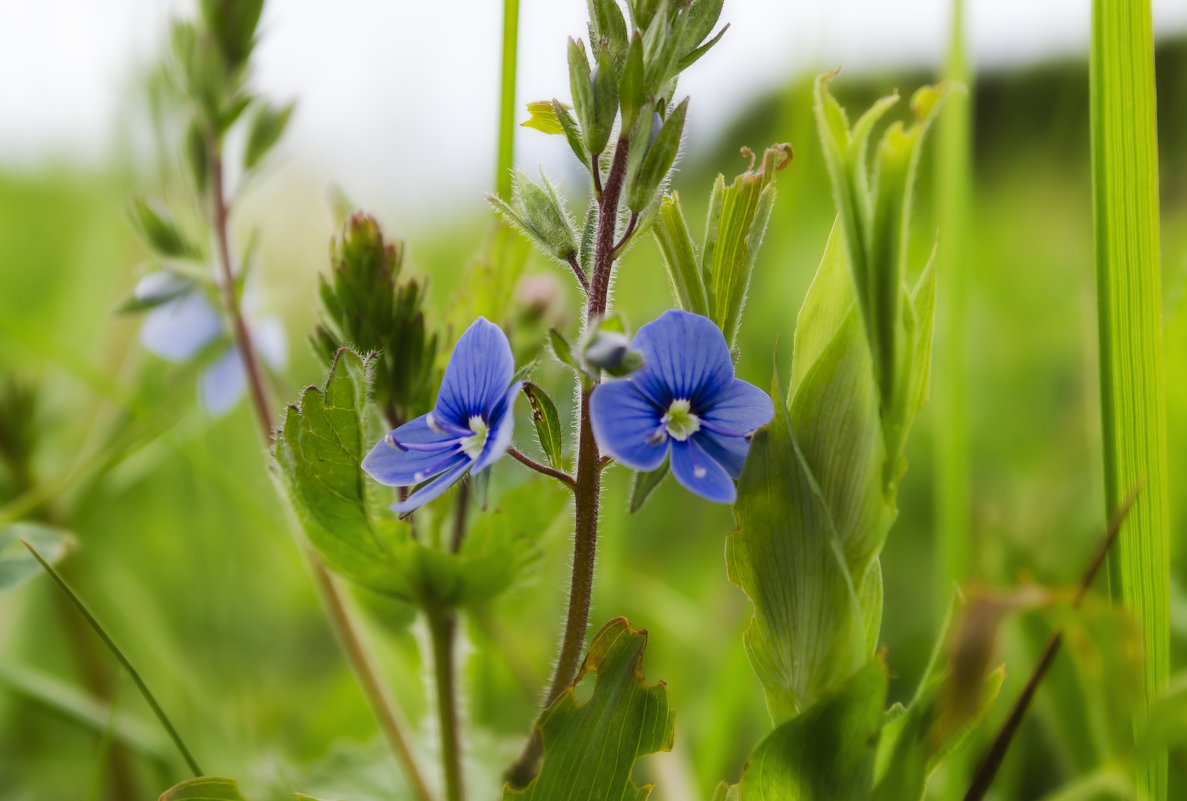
(468, 429)
(684, 401)
(185, 323)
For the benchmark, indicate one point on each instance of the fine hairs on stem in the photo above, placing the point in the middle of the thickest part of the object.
(388, 716)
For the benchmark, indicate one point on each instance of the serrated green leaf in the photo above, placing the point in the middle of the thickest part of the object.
(644, 484)
(827, 752)
(319, 452)
(17, 565)
(204, 788)
(679, 255)
(543, 117)
(590, 748)
(548, 427)
(267, 126)
(160, 231)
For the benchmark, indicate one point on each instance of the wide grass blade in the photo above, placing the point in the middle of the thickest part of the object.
(1129, 303)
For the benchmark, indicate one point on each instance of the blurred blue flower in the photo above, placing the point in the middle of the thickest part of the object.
(184, 323)
(685, 402)
(468, 429)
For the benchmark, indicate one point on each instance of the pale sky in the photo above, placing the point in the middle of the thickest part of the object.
(395, 94)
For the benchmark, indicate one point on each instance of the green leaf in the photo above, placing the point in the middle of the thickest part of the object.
(197, 151)
(605, 100)
(676, 247)
(827, 752)
(160, 231)
(590, 748)
(17, 565)
(922, 737)
(657, 160)
(543, 117)
(630, 91)
(610, 25)
(233, 23)
(267, 126)
(319, 452)
(807, 632)
(1124, 145)
(548, 427)
(581, 85)
(745, 207)
(644, 484)
(204, 788)
(572, 133)
(561, 348)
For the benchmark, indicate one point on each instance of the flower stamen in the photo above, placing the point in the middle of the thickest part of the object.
(472, 445)
(680, 422)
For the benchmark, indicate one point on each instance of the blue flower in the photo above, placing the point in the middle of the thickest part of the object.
(183, 323)
(468, 429)
(685, 402)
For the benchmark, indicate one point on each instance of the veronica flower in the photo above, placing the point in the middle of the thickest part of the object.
(468, 429)
(184, 323)
(684, 403)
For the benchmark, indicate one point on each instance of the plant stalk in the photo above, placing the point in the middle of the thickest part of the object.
(1129, 306)
(382, 705)
(588, 489)
(442, 632)
(506, 156)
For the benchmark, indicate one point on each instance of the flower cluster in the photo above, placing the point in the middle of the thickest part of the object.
(683, 404)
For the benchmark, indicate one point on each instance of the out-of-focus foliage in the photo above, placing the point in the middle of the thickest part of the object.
(172, 548)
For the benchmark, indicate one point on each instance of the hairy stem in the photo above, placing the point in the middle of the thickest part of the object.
(588, 481)
(381, 703)
(542, 469)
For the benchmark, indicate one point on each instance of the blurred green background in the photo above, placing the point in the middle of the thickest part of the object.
(186, 554)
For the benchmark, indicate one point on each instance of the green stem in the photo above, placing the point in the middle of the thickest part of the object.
(953, 216)
(507, 100)
(1129, 304)
(384, 708)
(442, 631)
(166, 724)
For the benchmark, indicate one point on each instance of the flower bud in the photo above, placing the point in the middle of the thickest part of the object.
(611, 351)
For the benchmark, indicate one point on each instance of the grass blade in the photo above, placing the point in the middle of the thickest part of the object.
(954, 199)
(123, 660)
(1129, 305)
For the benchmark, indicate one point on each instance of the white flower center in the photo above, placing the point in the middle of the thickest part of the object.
(472, 445)
(680, 422)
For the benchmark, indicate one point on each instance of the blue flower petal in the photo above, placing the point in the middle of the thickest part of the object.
(623, 420)
(684, 357)
(268, 338)
(502, 422)
(699, 473)
(478, 373)
(741, 409)
(180, 329)
(223, 383)
(434, 488)
(729, 452)
(388, 464)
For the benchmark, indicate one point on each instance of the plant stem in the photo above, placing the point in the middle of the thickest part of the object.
(560, 476)
(382, 705)
(506, 155)
(442, 631)
(251, 365)
(1129, 305)
(123, 660)
(588, 489)
(953, 216)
